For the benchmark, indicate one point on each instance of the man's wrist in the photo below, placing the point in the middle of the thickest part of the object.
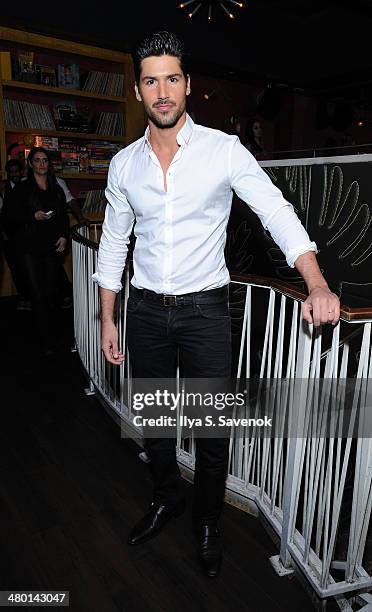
(317, 285)
(107, 318)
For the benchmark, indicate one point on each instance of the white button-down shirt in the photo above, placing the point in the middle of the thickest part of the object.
(181, 231)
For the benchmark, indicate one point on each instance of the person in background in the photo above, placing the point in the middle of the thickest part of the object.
(35, 217)
(64, 282)
(254, 139)
(71, 201)
(14, 171)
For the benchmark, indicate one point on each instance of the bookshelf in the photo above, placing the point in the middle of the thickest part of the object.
(59, 91)
(62, 134)
(92, 86)
(113, 117)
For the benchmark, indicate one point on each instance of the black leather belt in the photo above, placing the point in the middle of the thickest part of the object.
(211, 296)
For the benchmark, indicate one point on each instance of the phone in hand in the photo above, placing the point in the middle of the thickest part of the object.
(50, 213)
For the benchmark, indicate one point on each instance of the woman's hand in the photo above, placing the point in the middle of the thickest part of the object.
(61, 244)
(40, 215)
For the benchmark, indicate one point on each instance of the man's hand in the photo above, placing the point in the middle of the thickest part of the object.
(321, 306)
(61, 244)
(109, 343)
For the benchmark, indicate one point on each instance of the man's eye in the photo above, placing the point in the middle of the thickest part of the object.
(150, 82)
(173, 79)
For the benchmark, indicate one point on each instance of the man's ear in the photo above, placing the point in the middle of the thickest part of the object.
(136, 91)
(188, 87)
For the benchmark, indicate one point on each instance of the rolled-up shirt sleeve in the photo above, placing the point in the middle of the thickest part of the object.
(277, 215)
(116, 230)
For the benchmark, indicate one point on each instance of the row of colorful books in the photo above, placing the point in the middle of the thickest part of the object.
(71, 156)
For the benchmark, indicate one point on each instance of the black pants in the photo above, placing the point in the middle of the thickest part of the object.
(10, 253)
(42, 275)
(201, 332)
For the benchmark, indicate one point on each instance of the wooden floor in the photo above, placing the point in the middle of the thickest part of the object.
(71, 489)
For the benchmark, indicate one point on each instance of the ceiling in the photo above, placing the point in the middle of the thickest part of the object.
(317, 45)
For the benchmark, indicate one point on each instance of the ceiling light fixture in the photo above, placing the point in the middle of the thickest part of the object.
(222, 5)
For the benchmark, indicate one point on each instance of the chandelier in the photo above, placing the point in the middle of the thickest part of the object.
(224, 5)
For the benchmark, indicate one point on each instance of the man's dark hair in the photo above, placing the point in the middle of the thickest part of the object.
(13, 162)
(159, 43)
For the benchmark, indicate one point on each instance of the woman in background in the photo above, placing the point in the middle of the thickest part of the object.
(36, 217)
(254, 139)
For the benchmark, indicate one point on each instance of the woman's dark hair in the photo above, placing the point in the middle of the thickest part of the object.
(51, 178)
(249, 135)
(158, 43)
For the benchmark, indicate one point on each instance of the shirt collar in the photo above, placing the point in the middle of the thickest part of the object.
(183, 136)
(185, 133)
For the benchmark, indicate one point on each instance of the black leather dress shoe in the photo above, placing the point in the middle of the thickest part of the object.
(153, 522)
(209, 549)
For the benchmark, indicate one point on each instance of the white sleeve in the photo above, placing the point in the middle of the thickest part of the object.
(116, 230)
(66, 190)
(277, 215)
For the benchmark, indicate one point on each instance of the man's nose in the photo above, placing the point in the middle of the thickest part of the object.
(163, 90)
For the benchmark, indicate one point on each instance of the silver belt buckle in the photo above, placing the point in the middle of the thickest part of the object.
(169, 300)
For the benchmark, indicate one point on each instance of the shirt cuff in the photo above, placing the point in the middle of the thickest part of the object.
(112, 285)
(300, 250)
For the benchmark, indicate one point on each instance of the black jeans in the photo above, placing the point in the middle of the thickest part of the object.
(201, 332)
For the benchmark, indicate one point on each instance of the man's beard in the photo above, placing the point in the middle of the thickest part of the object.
(168, 120)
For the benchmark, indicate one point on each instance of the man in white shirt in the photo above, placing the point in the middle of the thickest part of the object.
(176, 182)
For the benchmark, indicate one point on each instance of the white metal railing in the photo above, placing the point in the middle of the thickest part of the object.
(297, 483)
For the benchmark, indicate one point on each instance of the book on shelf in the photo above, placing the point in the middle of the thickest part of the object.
(108, 83)
(83, 158)
(110, 123)
(68, 76)
(95, 201)
(47, 142)
(5, 65)
(56, 158)
(25, 67)
(69, 155)
(70, 166)
(100, 155)
(68, 144)
(21, 114)
(46, 75)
